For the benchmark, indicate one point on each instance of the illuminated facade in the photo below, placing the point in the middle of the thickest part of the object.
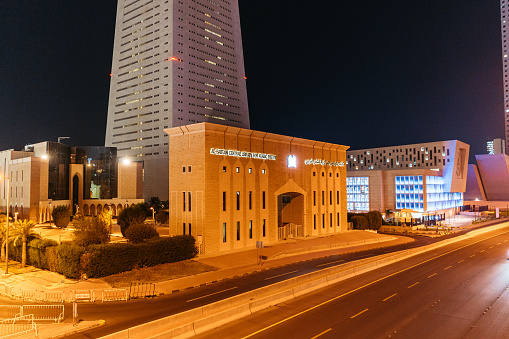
(496, 146)
(49, 174)
(232, 187)
(174, 63)
(505, 52)
(418, 179)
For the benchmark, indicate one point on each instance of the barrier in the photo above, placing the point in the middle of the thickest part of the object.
(53, 296)
(17, 325)
(44, 312)
(115, 295)
(31, 295)
(9, 311)
(142, 290)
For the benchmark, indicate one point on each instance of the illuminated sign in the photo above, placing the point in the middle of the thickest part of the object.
(239, 154)
(323, 162)
(291, 161)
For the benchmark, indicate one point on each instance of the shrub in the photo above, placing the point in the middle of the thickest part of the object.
(61, 216)
(360, 222)
(140, 232)
(374, 219)
(91, 230)
(132, 215)
(104, 260)
(36, 255)
(162, 217)
(69, 258)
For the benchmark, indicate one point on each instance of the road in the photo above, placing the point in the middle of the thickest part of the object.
(445, 293)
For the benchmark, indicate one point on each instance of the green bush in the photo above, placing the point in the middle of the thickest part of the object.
(104, 260)
(360, 222)
(374, 220)
(140, 232)
(36, 252)
(69, 259)
(91, 230)
(132, 215)
(52, 259)
(61, 216)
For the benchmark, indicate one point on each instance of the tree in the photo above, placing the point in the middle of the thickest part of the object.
(155, 203)
(61, 216)
(132, 215)
(374, 219)
(3, 224)
(140, 232)
(360, 222)
(91, 230)
(162, 217)
(22, 230)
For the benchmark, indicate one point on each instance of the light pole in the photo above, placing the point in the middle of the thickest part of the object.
(6, 271)
(16, 217)
(153, 215)
(50, 216)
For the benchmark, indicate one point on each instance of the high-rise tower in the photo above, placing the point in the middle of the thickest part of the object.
(505, 53)
(175, 62)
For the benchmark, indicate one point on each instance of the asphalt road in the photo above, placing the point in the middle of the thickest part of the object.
(444, 293)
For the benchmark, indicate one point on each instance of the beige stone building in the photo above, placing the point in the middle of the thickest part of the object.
(49, 174)
(231, 187)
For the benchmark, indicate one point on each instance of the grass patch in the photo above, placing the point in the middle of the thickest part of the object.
(158, 273)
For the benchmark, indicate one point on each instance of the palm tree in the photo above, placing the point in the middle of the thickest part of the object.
(3, 222)
(24, 229)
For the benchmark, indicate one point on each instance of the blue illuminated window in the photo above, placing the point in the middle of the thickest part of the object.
(357, 189)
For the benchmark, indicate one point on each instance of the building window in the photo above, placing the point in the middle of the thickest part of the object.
(238, 200)
(314, 174)
(314, 221)
(237, 170)
(184, 169)
(184, 201)
(250, 229)
(224, 201)
(323, 197)
(250, 170)
(330, 219)
(189, 169)
(263, 200)
(330, 197)
(189, 229)
(337, 224)
(184, 228)
(323, 220)
(224, 168)
(250, 199)
(238, 230)
(224, 232)
(263, 228)
(263, 171)
(314, 198)
(337, 197)
(189, 201)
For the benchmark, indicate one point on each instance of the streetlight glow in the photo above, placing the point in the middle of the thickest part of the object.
(6, 271)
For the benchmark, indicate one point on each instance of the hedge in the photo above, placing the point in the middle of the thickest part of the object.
(98, 261)
(36, 251)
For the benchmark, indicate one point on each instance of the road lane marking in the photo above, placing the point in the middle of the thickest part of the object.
(432, 275)
(499, 243)
(505, 240)
(208, 295)
(491, 247)
(362, 287)
(353, 316)
(390, 297)
(412, 285)
(473, 255)
(447, 268)
(277, 276)
(482, 251)
(319, 335)
(461, 261)
(329, 263)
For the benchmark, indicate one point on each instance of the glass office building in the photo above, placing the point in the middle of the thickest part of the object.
(357, 190)
(99, 170)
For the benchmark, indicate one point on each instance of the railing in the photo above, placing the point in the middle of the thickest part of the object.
(290, 231)
(53, 296)
(17, 325)
(44, 312)
(141, 290)
(115, 295)
(9, 311)
(82, 295)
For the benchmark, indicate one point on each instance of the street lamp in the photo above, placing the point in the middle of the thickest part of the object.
(153, 215)
(6, 271)
(50, 216)
(16, 217)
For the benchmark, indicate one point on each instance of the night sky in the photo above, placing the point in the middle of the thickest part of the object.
(358, 73)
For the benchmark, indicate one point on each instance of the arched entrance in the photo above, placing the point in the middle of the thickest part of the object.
(75, 192)
(290, 207)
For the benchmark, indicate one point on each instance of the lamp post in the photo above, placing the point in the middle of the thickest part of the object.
(50, 216)
(153, 215)
(6, 271)
(16, 217)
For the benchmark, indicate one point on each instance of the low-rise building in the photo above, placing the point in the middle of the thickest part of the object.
(233, 187)
(48, 174)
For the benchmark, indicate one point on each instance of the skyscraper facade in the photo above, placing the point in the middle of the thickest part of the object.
(175, 63)
(505, 53)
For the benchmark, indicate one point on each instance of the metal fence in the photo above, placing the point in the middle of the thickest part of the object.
(17, 325)
(115, 295)
(141, 290)
(290, 231)
(9, 311)
(82, 295)
(44, 312)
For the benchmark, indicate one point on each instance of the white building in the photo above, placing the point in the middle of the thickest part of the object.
(496, 146)
(174, 63)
